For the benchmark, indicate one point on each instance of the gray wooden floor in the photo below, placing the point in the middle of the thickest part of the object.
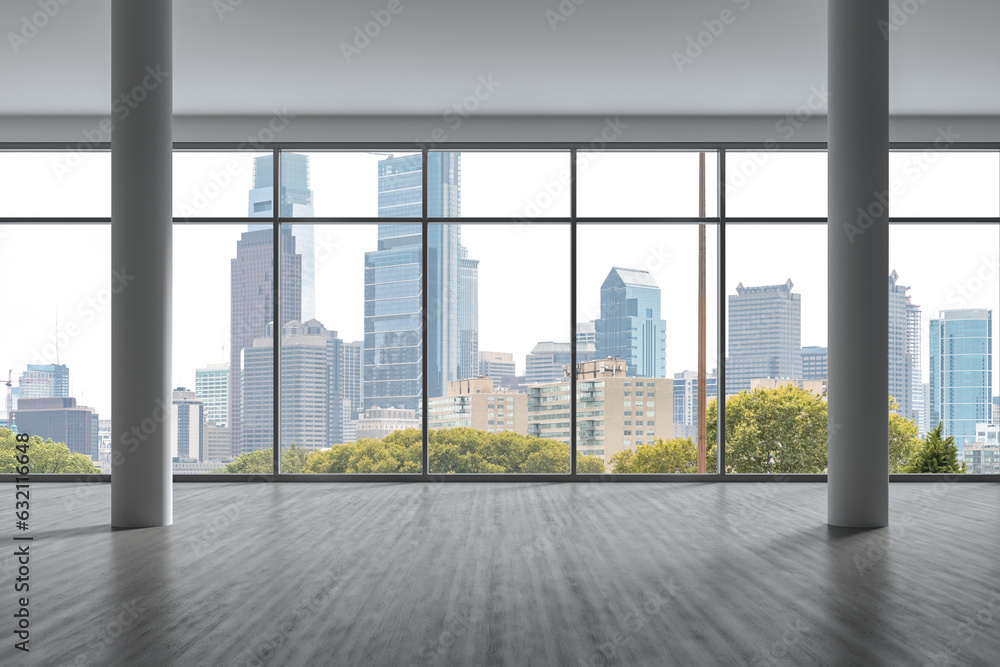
(511, 574)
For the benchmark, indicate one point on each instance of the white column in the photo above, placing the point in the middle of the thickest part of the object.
(141, 110)
(858, 237)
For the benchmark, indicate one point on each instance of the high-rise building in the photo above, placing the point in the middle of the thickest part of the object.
(188, 421)
(217, 447)
(393, 287)
(497, 365)
(296, 200)
(252, 307)
(586, 335)
(211, 386)
(545, 362)
(351, 372)
(62, 420)
(468, 315)
(311, 398)
(904, 351)
(961, 372)
(765, 335)
(44, 381)
(685, 397)
(630, 326)
(815, 363)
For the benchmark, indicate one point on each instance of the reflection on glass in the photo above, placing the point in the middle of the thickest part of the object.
(639, 347)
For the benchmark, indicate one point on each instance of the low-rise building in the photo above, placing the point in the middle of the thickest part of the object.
(376, 422)
(474, 403)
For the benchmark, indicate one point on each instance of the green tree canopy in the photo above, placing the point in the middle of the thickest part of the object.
(261, 461)
(674, 455)
(937, 454)
(903, 440)
(45, 456)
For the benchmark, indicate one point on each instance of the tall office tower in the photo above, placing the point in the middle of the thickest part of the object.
(252, 307)
(393, 315)
(211, 386)
(296, 200)
(311, 399)
(814, 363)
(686, 401)
(961, 373)
(765, 335)
(904, 350)
(351, 384)
(586, 334)
(468, 315)
(188, 420)
(630, 326)
(497, 365)
(44, 381)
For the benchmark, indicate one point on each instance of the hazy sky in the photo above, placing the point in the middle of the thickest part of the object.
(524, 284)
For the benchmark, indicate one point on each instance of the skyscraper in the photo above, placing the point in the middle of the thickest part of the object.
(211, 386)
(765, 335)
(44, 381)
(961, 372)
(311, 396)
(351, 386)
(468, 315)
(296, 200)
(815, 363)
(904, 351)
(188, 421)
(252, 307)
(685, 395)
(630, 326)
(393, 310)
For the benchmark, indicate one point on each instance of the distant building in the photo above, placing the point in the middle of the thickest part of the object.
(376, 422)
(904, 351)
(545, 362)
(61, 420)
(814, 387)
(983, 455)
(586, 334)
(468, 315)
(497, 365)
(630, 326)
(311, 398)
(614, 411)
(211, 386)
(961, 372)
(44, 381)
(217, 442)
(685, 399)
(765, 335)
(475, 404)
(351, 384)
(815, 364)
(188, 422)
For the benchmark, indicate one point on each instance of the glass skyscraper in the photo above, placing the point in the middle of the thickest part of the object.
(904, 351)
(44, 381)
(296, 200)
(961, 373)
(765, 335)
(393, 309)
(630, 326)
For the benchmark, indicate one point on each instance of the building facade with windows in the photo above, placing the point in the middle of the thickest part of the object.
(211, 386)
(474, 403)
(630, 326)
(765, 335)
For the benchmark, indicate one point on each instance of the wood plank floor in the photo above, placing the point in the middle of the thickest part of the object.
(510, 574)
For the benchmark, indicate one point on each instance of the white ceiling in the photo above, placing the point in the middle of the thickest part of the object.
(608, 57)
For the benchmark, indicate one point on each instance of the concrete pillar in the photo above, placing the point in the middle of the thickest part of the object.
(141, 110)
(858, 237)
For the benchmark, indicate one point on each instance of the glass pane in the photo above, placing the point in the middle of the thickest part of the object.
(217, 184)
(944, 183)
(644, 184)
(776, 184)
(639, 376)
(483, 423)
(776, 287)
(65, 184)
(351, 368)
(222, 365)
(514, 184)
(55, 343)
(943, 292)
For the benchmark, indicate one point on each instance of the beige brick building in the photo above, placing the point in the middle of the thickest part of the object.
(473, 403)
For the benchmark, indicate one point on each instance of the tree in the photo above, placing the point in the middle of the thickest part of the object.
(44, 456)
(674, 455)
(903, 440)
(261, 462)
(779, 430)
(937, 454)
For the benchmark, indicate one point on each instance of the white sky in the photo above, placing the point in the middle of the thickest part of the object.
(47, 270)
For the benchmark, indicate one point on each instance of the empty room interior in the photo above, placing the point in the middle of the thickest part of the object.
(521, 332)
